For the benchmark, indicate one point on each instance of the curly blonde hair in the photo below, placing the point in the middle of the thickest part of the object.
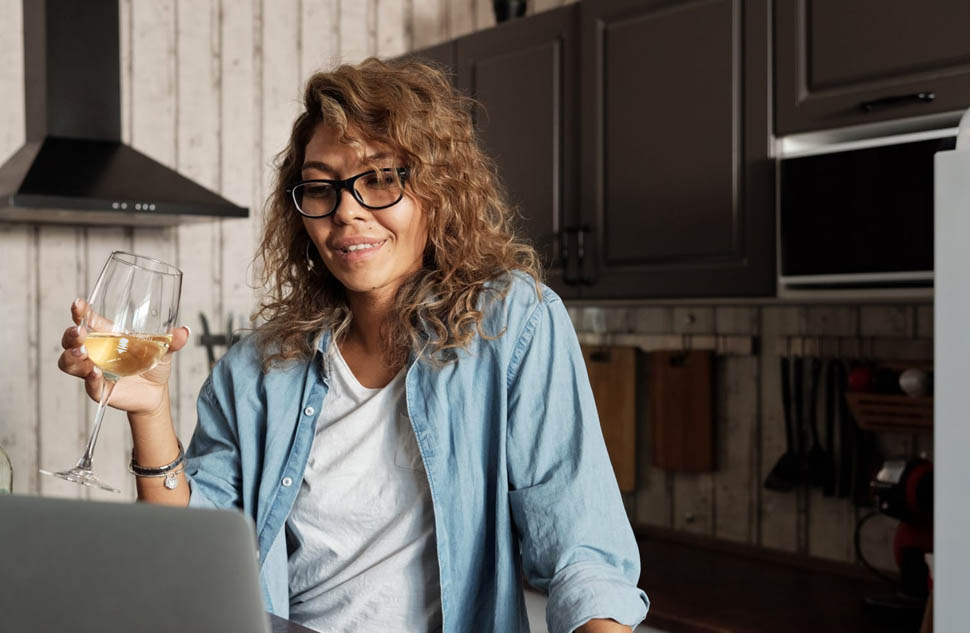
(412, 109)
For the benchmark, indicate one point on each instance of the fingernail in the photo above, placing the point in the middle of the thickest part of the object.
(189, 329)
(94, 373)
(77, 302)
(79, 351)
(75, 331)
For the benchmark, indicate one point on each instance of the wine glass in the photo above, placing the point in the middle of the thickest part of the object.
(129, 320)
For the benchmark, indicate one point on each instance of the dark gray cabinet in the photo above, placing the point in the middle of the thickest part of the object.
(675, 177)
(444, 55)
(842, 63)
(524, 74)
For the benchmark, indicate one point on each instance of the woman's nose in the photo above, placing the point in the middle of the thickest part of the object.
(349, 209)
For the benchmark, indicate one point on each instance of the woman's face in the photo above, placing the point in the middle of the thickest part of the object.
(397, 235)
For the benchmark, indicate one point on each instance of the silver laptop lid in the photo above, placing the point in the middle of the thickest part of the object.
(88, 567)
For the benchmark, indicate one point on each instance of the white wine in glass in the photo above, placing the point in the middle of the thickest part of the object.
(129, 321)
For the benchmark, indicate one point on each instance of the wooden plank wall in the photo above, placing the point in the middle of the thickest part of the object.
(210, 87)
(731, 503)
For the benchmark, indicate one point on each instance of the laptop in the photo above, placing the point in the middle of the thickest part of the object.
(90, 567)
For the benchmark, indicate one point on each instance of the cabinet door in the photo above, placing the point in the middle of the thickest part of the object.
(524, 74)
(443, 55)
(834, 57)
(676, 180)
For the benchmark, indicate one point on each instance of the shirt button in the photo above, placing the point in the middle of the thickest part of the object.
(287, 481)
(308, 411)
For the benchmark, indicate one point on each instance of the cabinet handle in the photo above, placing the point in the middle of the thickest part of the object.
(582, 278)
(897, 100)
(564, 257)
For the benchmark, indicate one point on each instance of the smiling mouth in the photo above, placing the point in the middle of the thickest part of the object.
(360, 248)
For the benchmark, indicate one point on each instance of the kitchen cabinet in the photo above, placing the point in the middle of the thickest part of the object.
(844, 63)
(524, 74)
(676, 185)
(444, 55)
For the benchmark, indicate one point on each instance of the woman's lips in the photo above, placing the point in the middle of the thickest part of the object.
(360, 254)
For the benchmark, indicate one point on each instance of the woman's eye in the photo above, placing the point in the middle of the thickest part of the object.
(318, 190)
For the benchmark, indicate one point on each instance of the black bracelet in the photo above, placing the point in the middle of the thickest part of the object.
(144, 471)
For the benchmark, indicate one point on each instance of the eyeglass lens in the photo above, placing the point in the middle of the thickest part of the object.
(372, 189)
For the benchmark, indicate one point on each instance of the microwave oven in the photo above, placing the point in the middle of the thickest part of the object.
(857, 214)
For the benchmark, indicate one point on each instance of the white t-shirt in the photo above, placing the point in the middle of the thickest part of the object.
(361, 532)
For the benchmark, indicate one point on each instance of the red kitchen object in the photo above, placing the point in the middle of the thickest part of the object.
(861, 379)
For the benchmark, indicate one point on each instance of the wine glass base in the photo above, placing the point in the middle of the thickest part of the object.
(81, 476)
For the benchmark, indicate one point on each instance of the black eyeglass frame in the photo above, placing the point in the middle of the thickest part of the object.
(340, 185)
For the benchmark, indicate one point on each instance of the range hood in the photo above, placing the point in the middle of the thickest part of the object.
(73, 167)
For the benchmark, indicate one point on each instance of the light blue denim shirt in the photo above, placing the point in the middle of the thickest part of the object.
(519, 475)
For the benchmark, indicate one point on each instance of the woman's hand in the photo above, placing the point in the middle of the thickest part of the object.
(143, 394)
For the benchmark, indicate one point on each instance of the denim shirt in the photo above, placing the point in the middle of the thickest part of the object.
(519, 475)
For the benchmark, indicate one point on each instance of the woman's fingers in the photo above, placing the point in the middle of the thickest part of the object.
(77, 310)
(180, 336)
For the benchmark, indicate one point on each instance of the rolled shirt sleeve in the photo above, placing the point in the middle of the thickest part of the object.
(576, 540)
(212, 459)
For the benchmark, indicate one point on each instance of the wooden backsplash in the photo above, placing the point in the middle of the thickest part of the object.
(731, 502)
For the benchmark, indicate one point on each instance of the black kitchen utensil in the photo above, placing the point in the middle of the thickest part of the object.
(786, 473)
(818, 460)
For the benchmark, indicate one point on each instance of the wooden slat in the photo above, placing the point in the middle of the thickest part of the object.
(18, 336)
(153, 111)
(240, 179)
(19, 425)
(461, 18)
(484, 14)
(778, 512)
(197, 156)
(319, 36)
(393, 28)
(356, 41)
(426, 22)
(62, 427)
(736, 481)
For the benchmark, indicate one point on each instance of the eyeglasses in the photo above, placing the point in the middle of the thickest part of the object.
(375, 189)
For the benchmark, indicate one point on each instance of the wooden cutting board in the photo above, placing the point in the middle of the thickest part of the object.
(680, 392)
(612, 374)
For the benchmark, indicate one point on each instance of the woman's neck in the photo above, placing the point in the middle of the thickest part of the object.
(370, 312)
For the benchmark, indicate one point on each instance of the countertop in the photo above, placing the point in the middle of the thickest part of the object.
(698, 586)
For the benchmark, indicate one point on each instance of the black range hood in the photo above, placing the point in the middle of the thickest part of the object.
(73, 167)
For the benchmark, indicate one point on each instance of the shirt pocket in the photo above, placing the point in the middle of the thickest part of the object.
(406, 453)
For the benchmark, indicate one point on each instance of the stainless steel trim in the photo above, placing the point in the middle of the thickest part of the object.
(797, 280)
(880, 133)
(795, 148)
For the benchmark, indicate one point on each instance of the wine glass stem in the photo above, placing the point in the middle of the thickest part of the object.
(107, 386)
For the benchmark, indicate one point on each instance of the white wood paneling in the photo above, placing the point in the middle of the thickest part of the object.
(319, 36)
(393, 35)
(197, 156)
(357, 38)
(426, 22)
(62, 427)
(240, 172)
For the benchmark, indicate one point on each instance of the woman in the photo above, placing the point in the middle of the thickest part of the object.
(411, 427)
